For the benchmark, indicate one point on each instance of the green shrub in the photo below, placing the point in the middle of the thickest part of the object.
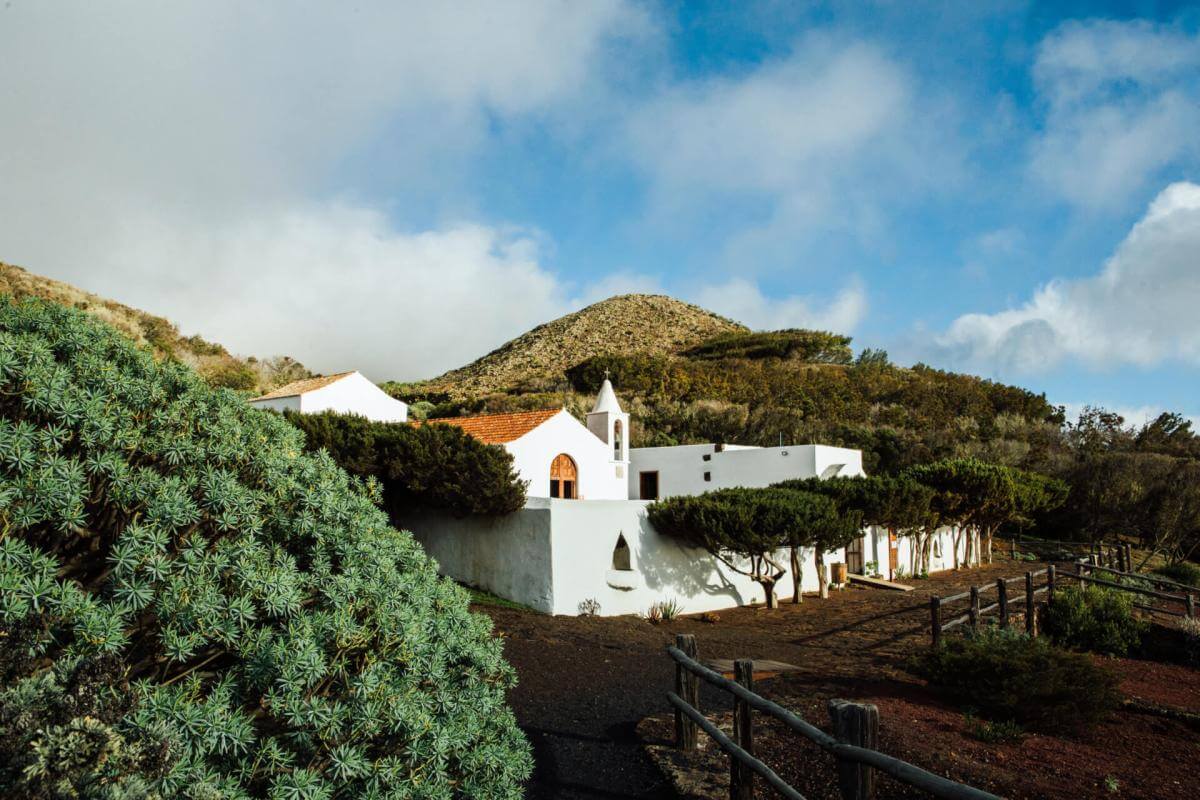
(1093, 618)
(1189, 627)
(1182, 572)
(431, 466)
(60, 733)
(1009, 677)
(1005, 732)
(819, 347)
(275, 632)
(231, 375)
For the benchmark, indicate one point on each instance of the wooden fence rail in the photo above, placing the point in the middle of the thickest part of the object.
(1082, 574)
(1187, 600)
(856, 728)
(1004, 603)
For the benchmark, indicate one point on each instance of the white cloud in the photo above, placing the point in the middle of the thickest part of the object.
(743, 301)
(182, 157)
(1122, 103)
(1139, 309)
(824, 138)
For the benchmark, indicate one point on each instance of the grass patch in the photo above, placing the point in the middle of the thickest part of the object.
(479, 597)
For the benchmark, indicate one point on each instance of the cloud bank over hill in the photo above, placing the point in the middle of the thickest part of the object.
(183, 158)
(1140, 309)
(399, 187)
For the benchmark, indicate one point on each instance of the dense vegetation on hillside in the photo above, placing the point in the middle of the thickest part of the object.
(214, 363)
(805, 386)
(430, 466)
(264, 631)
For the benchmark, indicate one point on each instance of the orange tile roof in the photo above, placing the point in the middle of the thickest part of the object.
(498, 428)
(303, 386)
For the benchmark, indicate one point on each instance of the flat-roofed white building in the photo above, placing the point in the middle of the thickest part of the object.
(342, 393)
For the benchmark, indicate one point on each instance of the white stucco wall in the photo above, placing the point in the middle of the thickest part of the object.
(554, 554)
(875, 548)
(681, 469)
(279, 403)
(508, 556)
(353, 394)
(600, 478)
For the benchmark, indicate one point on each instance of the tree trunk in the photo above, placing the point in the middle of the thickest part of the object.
(955, 537)
(797, 577)
(768, 585)
(822, 578)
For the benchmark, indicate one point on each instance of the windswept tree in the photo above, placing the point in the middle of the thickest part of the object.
(743, 528)
(835, 516)
(961, 488)
(426, 466)
(978, 498)
(270, 634)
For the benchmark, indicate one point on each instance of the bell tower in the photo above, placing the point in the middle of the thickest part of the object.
(610, 423)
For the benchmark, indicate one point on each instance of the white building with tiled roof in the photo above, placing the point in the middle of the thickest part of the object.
(555, 454)
(342, 393)
(584, 534)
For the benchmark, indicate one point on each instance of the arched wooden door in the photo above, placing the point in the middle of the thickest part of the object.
(564, 477)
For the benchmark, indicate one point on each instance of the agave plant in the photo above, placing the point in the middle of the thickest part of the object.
(278, 636)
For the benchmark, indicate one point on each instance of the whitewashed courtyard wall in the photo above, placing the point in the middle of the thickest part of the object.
(554, 554)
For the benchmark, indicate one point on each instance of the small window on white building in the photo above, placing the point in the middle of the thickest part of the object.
(618, 438)
(621, 559)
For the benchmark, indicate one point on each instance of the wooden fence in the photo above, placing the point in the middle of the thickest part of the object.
(856, 732)
(1044, 581)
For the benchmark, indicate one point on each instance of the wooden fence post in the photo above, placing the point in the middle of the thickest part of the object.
(935, 620)
(1030, 611)
(1129, 555)
(687, 686)
(1050, 584)
(1191, 605)
(856, 724)
(1002, 595)
(974, 611)
(1013, 541)
(741, 779)
(1122, 563)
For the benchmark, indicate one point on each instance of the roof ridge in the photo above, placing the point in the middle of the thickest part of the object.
(303, 386)
(499, 414)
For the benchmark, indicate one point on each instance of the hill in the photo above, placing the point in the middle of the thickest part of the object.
(216, 364)
(687, 375)
(630, 323)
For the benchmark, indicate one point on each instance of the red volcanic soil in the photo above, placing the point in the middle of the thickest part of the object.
(587, 683)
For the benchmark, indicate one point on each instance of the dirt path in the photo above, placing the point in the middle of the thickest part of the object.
(586, 682)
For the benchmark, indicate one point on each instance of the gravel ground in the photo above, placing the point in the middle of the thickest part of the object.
(586, 683)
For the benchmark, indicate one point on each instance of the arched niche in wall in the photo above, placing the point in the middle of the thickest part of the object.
(622, 575)
(618, 440)
(620, 558)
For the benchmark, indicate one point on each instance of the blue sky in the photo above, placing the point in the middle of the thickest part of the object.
(1008, 189)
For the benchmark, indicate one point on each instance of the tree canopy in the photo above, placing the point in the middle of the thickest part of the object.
(427, 466)
(280, 639)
